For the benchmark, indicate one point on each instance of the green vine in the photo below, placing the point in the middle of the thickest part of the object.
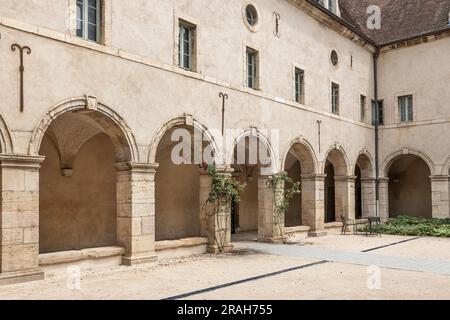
(291, 189)
(224, 191)
(223, 187)
(284, 189)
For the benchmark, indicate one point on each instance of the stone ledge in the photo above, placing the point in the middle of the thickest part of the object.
(298, 229)
(21, 276)
(79, 255)
(181, 243)
(331, 225)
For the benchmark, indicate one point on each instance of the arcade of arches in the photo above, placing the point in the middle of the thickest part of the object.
(87, 190)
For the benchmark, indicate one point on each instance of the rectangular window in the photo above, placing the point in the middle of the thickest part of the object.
(362, 105)
(406, 108)
(186, 46)
(252, 68)
(89, 19)
(334, 98)
(380, 112)
(299, 86)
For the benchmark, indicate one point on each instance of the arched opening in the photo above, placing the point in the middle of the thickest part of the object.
(299, 163)
(251, 164)
(330, 194)
(358, 193)
(409, 187)
(336, 187)
(177, 183)
(365, 184)
(77, 199)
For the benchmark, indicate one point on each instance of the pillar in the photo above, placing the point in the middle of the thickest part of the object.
(440, 196)
(218, 217)
(205, 207)
(345, 197)
(136, 212)
(313, 204)
(19, 219)
(270, 225)
(369, 202)
(384, 199)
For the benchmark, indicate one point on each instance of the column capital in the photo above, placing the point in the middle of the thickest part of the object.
(383, 180)
(368, 179)
(16, 161)
(437, 178)
(311, 177)
(345, 178)
(137, 167)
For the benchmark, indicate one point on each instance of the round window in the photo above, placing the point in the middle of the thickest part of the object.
(334, 58)
(251, 15)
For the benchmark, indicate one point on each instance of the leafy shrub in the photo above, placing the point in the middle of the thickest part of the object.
(411, 226)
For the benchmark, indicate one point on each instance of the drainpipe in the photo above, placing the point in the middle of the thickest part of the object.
(377, 129)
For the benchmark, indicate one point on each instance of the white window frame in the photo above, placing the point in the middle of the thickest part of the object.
(335, 104)
(299, 87)
(408, 108)
(191, 28)
(252, 71)
(85, 21)
(362, 108)
(374, 114)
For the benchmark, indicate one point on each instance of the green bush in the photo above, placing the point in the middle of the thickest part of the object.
(411, 226)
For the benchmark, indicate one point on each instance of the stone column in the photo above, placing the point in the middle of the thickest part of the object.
(345, 197)
(218, 219)
(205, 207)
(313, 204)
(440, 196)
(369, 202)
(135, 192)
(270, 227)
(19, 219)
(384, 199)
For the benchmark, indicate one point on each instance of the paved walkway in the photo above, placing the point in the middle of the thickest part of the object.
(357, 258)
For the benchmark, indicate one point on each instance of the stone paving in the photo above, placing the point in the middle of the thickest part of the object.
(350, 257)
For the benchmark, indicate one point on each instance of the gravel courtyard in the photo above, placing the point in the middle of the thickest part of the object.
(271, 272)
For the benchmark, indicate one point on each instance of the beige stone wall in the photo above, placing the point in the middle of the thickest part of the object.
(78, 212)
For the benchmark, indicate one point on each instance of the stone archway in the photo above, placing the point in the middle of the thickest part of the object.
(365, 184)
(339, 186)
(409, 188)
(300, 163)
(179, 183)
(253, 163)
(93, 191)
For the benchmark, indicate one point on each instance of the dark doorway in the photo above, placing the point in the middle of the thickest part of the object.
(234, 217)
(330, 201)
(358, 193)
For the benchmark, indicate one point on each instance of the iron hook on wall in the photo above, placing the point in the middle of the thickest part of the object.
(277, 16)
(21, 49)
(224, 97)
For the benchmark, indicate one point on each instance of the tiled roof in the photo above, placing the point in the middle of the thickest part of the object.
(400, 19)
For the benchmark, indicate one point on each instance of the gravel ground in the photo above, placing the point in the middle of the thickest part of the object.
(325, 281)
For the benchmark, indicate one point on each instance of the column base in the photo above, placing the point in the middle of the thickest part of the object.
(21, 276)
(138, 260)
(271, 240)
(317, 234)
(215, 249)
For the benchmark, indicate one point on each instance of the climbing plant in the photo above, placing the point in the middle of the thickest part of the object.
(225, 190)
(284, 189)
